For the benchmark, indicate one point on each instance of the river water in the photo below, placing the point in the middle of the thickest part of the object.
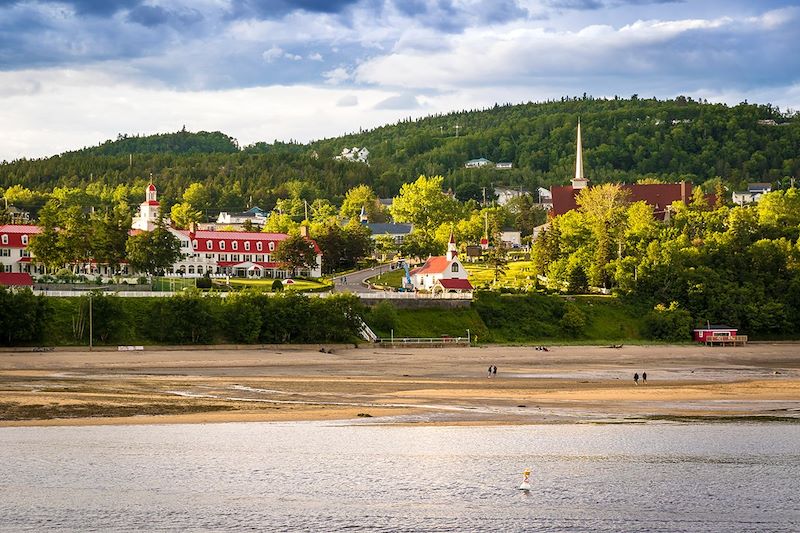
(366, 477)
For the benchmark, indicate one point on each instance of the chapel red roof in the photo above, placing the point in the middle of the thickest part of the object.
(434, 265)
(456, 284)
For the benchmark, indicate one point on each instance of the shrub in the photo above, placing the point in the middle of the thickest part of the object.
(203, 283)
(383, 316)
(277, 286)
(573, 321)
(668, 323)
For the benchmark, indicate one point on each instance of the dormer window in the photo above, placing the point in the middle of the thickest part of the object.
(247, 245)
(24, 239)
(209, 244)
(259, 246)
(235, 245)
(194, 244)
(4, 239)
(271, 246)
(221, 245)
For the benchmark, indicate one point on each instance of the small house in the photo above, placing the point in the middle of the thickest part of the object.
(703, 334)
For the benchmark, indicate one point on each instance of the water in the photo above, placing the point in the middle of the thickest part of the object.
(333, 477)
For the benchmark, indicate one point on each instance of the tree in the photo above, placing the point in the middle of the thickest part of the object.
(110, 235)
(153, 251)
(496, 257)
(183, 215)
(424, 205)
(604, 209)
(296, 252)
(198, 196)
(280, 223)
(360, 197)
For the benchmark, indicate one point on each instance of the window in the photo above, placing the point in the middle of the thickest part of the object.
(24, 253)
(247, 246)
(259, 258)
(235, 245)
(7, 268)
(235, 258)
(209, 244)
(194, 244)
(24, 239)
(223, 257)
(209, 256)
(191, 269)
(259, 246)
(454, 268)
(5, 252)
(248, 257)
(221, 245)
(5, 239)
(271, 246)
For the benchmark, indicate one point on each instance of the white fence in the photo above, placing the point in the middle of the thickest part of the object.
(377, 295)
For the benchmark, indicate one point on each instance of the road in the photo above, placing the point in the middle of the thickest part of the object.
(354, 281)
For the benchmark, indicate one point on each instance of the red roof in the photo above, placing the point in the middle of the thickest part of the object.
(264, 264)
(659, 195)
(15, 233)
(203, 237)
(152, 202)
(151, 187)
(434, 265)
(16, 279)
(458, 284)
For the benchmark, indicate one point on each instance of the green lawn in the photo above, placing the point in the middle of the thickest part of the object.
(519, 274)
(301, 285)
(164, 284)
(393, 278)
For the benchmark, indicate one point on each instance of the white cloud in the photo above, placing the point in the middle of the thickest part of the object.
(315, 56)
(337, 76)
(274, 53)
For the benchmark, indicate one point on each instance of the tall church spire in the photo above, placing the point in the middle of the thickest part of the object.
(579, 181)
(579, 156)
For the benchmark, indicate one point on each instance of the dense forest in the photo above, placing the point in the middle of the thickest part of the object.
(624, 140)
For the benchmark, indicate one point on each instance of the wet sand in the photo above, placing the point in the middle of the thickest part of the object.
(567, 384)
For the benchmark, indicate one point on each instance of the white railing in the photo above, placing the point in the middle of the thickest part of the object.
(415, 295)
(378, 295)
(404, 341)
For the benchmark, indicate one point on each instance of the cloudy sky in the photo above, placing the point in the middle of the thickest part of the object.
(76, 72)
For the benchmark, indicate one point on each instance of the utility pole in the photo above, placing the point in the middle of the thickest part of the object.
(305, 204)
(457, 127)
(484, 197)
(90, 322)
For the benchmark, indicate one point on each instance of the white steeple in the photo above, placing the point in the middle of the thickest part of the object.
(579, 181)
(452, 250)
(149, 210)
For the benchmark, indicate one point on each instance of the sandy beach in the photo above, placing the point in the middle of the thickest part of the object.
(567, 384)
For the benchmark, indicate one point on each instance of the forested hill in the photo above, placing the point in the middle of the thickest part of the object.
(623, 139)
(181, 142)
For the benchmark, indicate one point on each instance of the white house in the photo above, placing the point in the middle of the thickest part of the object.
(354, 154)
(245, 254)
(505, 165)
(255, 215)
(753, 194)
(14, 254)
(477, 163)
(505, 194)
(443, 273)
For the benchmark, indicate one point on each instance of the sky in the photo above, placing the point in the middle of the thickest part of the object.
(74, 73)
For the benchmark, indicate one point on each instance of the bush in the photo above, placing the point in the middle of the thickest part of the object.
(573, 321)
(668, 323)
(277, 286)
(23, 316)
(203, 283)
(383, 316)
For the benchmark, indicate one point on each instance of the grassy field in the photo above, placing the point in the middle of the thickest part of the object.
(523, 319)
(172, 284)
(519, 275)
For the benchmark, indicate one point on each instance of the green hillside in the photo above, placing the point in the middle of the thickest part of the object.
(624, 140)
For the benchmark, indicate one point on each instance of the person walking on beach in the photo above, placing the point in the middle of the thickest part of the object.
(644, 378)
(490, 372)
(636, 378)
(494, 370)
